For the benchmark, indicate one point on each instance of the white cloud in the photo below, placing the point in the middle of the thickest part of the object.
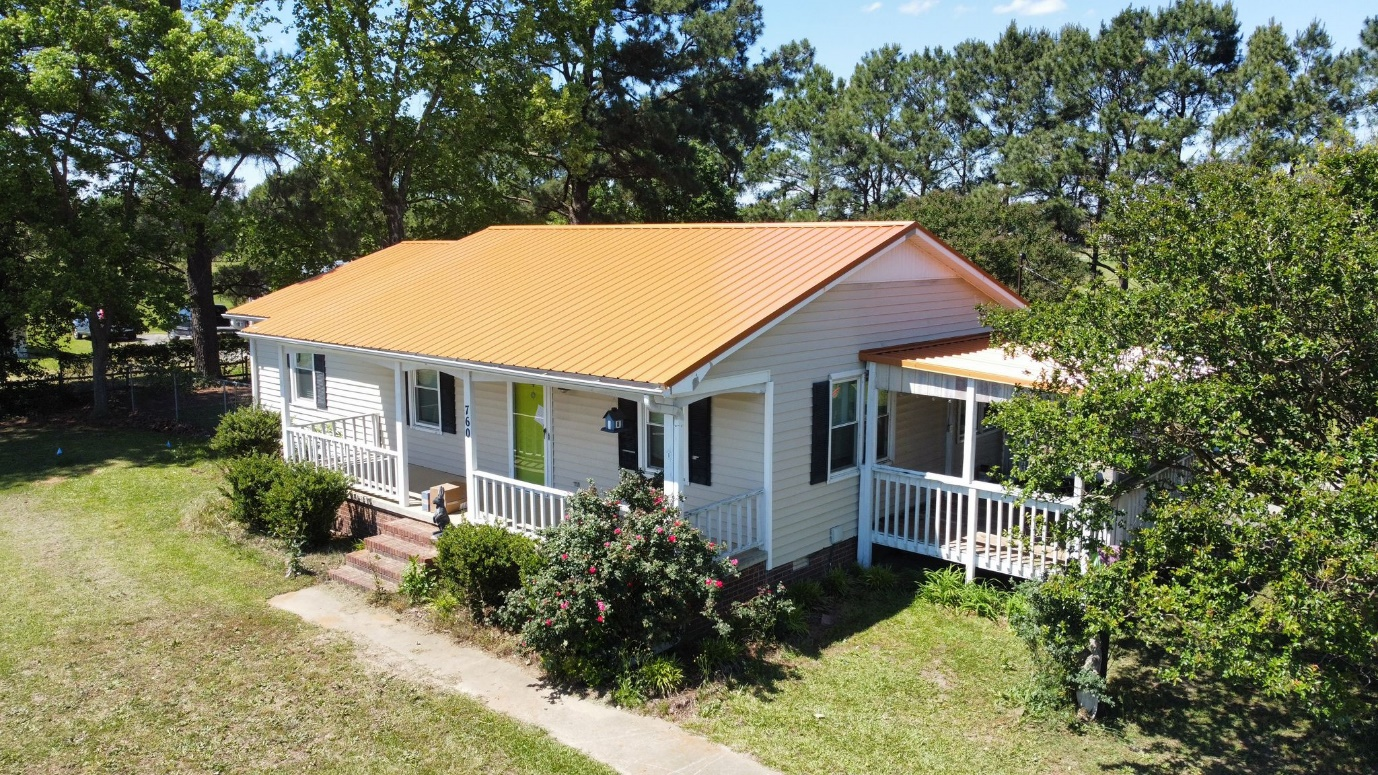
(1032, 7)
(871, 8)
(961, 10)
(916, 7)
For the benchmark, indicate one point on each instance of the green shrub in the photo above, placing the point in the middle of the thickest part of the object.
(248, 430)
(624, 575)
(838, 582)
(718, 653)
(767, 617)
(983, 600)
(483, 564)
(660, 676)
(879, 579)
(943, 587)
(418, 582)
(301, 506)
(247, 481)
(807, 595)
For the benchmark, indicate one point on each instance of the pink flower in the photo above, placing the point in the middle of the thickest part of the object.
(660, 529)
(678, 523)
(734, 561)
(672, 539)
(599, 617)
(564, 604)
(606, 544)
(617, 531)
(602, 606)
(659, 500)
(719, 584)
(710, 544)
(641, 538)
(564, 556)
(548, 622)
(708, 582)
(592, 569)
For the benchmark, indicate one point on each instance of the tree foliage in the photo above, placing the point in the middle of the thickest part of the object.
(1245, 351)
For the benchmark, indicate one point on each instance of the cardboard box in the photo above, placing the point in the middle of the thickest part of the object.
(455, 495)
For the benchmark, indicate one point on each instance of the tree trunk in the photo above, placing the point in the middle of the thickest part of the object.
(580, 208)
(100, 364)
(205, 338)
(395, 212)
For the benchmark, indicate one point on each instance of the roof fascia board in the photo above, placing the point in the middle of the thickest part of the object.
(750, 382)
(778, 319)
(573, 380)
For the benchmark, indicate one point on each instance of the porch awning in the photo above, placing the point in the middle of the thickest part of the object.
(969, 357)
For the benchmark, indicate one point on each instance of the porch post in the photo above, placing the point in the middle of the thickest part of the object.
(969, 477)
(471, 495)
(864, 515)
(399, 400)
(285, 395)
(767, 515)
(1078, 490)
(253, 372)
(676, 457)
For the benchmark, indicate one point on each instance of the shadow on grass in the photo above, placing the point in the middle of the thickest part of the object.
(29, 452)
(1216, 728)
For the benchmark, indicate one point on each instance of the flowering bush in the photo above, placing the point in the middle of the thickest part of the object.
(624, 575)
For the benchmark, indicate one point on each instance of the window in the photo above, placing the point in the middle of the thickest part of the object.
(304, 376)
(426, 401)
(655, 441)
(842, 426)
(883, 425)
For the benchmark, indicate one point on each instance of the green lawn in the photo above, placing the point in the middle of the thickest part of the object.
(902, 686)
(134, 639)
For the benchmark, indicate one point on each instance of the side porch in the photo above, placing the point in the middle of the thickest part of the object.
(930, 464)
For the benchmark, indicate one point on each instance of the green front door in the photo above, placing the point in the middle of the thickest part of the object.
(528, 433)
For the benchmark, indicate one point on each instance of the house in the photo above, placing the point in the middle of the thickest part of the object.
(807, 390)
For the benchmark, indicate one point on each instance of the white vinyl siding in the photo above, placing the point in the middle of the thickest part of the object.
(821, 339)
(428, 447)
(582, 450)
(269, 385)
(738, 449)
(492, 427)
(920, 432)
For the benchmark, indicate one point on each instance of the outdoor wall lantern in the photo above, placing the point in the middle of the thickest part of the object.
(612, 421)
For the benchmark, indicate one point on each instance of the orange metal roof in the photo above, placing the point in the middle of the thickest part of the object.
(648, 304)
(963, 356)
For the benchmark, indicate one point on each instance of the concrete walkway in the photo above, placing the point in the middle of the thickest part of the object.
(627, 742)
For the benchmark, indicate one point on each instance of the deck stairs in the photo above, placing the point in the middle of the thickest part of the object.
(383, 560)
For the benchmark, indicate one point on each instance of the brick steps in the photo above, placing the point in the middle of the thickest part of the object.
(348, 574)
(385, 556)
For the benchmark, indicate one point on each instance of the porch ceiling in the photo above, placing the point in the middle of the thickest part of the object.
(964, 356)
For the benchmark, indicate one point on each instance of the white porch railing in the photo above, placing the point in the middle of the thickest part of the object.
(373, 469)
(516, 505)
(734, 524)
(363, 428)
(942, 516)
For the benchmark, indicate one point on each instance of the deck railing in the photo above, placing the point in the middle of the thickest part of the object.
(942, 516)
(363, 428)
(733, 524)
(516, 505)
(373, 469)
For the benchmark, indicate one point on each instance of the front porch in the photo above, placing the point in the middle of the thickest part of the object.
(514, 432)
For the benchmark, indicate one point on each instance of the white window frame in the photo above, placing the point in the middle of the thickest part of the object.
(855, 468)
(643, 412)
(416, 387)
(297, 398)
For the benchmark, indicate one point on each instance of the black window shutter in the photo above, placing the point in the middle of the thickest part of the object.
(822, 416)
(447, 403)
(628, 440)
(319, 364)
(701, 442)
(406, 397)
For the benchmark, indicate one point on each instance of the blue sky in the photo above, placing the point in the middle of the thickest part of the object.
(843, 30)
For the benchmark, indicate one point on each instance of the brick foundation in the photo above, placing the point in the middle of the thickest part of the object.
(358, 517)
(746, 585)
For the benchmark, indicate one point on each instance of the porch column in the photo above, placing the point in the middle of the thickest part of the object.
(865, 506)
(969, 477)
(399, 396)
(768, 476)
(285, 395)
(253, 371)
(471, 494)
(1078, 490)
(676, 456)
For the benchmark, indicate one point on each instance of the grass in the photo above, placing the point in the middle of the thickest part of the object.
(136, 639)
(900, 685)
